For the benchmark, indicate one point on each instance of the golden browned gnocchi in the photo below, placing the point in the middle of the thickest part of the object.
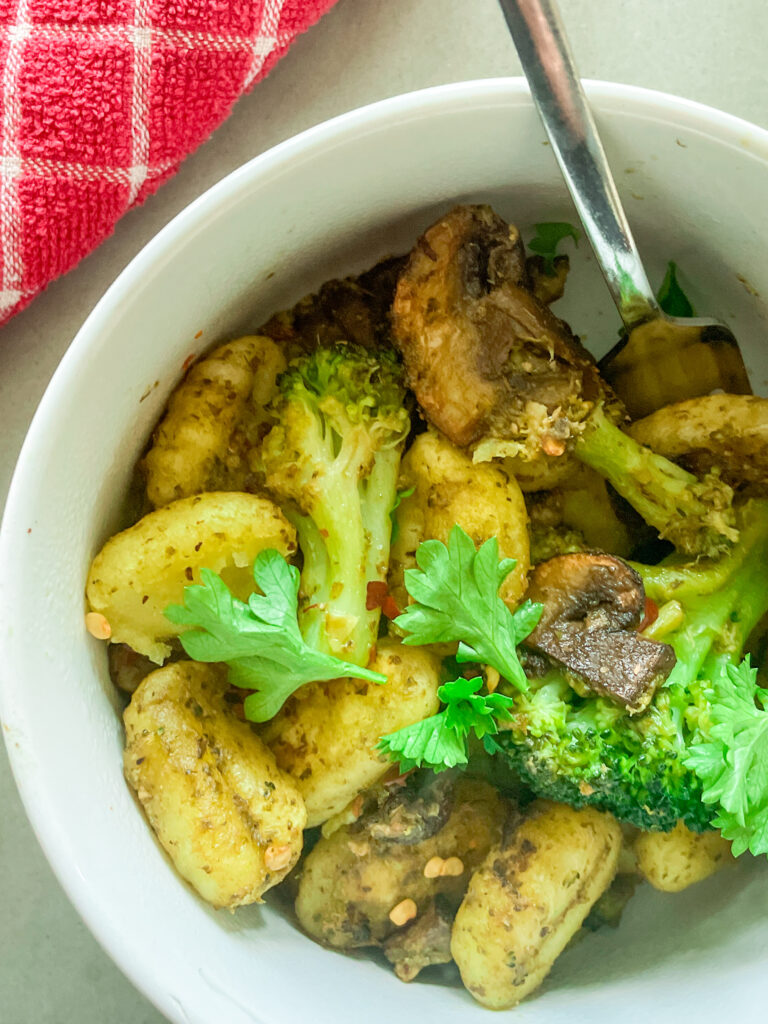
(229, 819)
(142, 570)
(325, 737)
(587, 507)
(542, 473)
(725, 432)
(449, 488)
(209, 438)
(530, 897)
(671, 861)
(368, 879)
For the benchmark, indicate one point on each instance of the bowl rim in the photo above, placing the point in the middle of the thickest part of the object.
(449, 98)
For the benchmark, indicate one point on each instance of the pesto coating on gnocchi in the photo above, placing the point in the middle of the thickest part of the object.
(385, 580)
(325, 737)
(448, 488)
(142, 570)
(530, 897)
(210, 435)
(229, 819)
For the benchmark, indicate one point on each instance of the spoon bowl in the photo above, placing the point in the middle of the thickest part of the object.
(659, 359)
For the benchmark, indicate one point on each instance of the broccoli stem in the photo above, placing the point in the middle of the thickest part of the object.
(339, 621)
(378, 494)
(724, 601)
(676, 579)
(696, 516)
(333, 457)
(346, 546)
(315, 581)
(720, 622)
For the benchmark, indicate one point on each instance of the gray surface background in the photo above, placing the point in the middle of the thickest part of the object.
(51, 969)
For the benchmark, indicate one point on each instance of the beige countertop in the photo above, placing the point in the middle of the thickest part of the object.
(51, 970)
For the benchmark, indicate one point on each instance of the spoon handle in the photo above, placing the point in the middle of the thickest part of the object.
(544, 53)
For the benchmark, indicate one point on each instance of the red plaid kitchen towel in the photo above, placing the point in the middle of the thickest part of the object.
(101, 100)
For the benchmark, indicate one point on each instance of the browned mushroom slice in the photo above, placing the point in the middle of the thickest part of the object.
(595, 591)
(353, 308)
(486, 359)
(411, 813)
(593, 603)
(424, 942)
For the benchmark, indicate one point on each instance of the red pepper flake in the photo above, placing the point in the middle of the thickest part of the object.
(650, 615)
(375, 595)
(198, 335)
(188, 362)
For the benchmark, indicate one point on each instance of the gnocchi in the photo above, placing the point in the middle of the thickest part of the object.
(529, 898)
(142, 570)
(225, 814)
(449, 488)
(209, 438)
(325, 737)
(724, 432)
(671, 861)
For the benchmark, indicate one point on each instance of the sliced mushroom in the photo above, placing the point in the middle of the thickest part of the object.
(487, 360)
(358, 890)
(424, 942)
(354, 308)
(127, 668)
(595, 591)
(593, 604)
(413, 812)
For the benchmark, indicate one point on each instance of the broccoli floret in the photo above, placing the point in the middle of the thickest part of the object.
(549, 541)
(333, 457)
(697, 516)
(588, 750)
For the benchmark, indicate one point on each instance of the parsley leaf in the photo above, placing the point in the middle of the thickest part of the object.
(732, 761)
(431, 743)
(260, 641)
(392, 512)
(547, 238)
(440, 742)
(671, 296)
(456, 594)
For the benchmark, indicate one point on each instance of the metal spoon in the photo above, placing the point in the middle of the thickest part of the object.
(661, 359)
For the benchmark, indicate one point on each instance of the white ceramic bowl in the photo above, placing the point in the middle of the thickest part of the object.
(329, 202)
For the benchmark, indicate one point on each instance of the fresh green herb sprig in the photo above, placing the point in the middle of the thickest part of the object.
(671, 297)
(732, 760)
(440, 742)
(547, 238)
(259, 640)
(456, 598)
